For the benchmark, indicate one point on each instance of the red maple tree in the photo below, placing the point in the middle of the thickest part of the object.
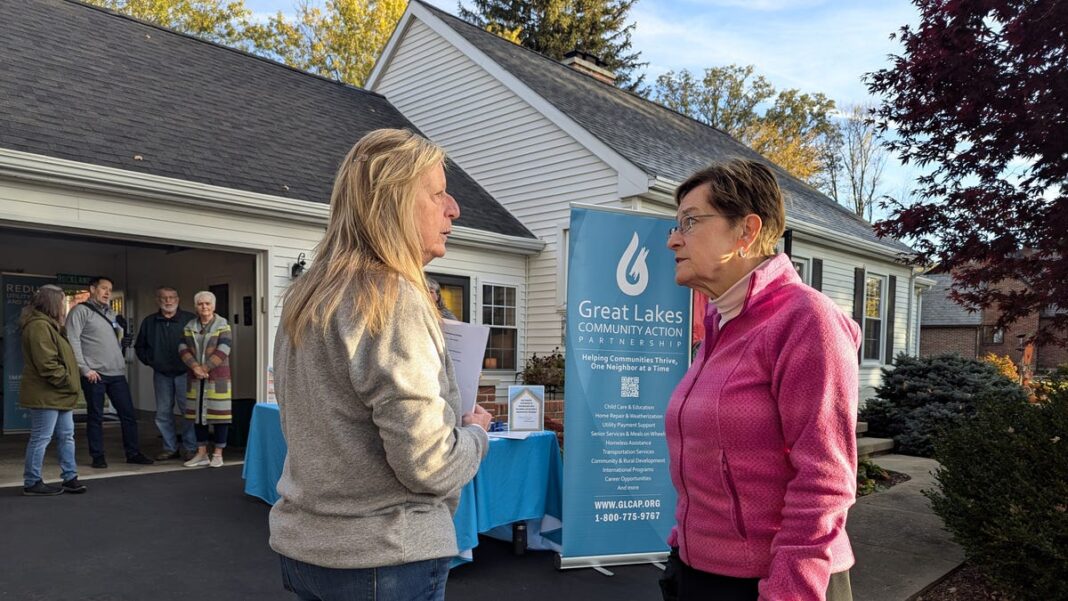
(979, 100)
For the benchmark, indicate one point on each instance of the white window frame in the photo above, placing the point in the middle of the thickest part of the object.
(562, 241)
(482, 304)
(806, 266)
(881, 345)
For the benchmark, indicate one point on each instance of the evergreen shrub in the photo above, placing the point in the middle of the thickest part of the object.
(1002, 491)
(920, 397)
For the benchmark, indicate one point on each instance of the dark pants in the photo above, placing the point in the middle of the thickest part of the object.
(692, 584)
(118, 390)
(416, 581)
(219, 440)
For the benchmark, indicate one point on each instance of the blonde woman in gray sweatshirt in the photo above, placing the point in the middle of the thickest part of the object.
(378, 450)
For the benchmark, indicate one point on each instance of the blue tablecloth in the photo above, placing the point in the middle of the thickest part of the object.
(518, 481)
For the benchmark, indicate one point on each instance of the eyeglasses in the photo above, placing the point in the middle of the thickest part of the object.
(687, 222)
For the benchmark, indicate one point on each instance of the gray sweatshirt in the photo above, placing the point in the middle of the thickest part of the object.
(377, 454)
(95, 340)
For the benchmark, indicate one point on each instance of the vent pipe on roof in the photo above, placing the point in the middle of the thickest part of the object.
(590, 65)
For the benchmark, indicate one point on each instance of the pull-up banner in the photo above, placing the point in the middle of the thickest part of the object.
(628, 342)
(18, 290)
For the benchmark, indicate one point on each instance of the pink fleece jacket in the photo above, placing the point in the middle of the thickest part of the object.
(761, 436)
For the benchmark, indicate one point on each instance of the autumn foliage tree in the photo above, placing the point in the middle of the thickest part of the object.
(341, 39)
(979, 100)
(225, 22)
(788, 127)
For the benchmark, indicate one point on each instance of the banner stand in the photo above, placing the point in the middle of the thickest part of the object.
(594, 561)
(627, 341)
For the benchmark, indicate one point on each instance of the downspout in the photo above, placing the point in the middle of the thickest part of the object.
(908, 315)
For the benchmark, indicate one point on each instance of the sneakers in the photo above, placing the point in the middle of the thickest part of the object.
(40, 489)
(216, 461)
(73, 486)
(167, 455)
(99, 463)
(139, 459)
(200, 461)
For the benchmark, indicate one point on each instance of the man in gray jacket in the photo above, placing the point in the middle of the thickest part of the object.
(157, 347)
(96, 337)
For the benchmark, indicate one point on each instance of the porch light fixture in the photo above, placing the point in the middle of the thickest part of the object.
(298, 267)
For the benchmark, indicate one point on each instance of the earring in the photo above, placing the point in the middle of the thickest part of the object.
(741, 253)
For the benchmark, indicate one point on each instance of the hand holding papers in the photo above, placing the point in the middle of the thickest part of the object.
(466, 344)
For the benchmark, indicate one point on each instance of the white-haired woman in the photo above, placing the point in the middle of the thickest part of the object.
(205, 349)
(378, 449)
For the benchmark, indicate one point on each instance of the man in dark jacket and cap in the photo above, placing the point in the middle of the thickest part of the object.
(157, 347)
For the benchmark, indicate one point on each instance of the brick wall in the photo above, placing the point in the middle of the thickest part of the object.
(940, 340)
(1050, 356)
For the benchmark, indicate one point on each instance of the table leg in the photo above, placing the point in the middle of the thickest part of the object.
(519, 538)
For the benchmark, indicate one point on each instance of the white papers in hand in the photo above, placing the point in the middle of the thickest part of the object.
(466, 344)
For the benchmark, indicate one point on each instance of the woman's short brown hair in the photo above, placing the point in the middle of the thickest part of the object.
(742, 187)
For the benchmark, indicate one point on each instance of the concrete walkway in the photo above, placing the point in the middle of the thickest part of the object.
(900, 544)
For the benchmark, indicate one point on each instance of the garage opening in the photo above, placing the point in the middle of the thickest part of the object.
(31, 258)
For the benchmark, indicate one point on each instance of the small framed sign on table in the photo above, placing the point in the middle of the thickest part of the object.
(526, 408)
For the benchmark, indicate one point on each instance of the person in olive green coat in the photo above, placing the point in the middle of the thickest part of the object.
(50, 388)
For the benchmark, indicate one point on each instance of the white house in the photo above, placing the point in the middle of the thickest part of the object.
(156, 158)
(538, 135)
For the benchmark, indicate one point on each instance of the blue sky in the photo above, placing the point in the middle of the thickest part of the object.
(812, 45)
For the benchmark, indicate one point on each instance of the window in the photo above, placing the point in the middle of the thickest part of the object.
(499, 313)
(455, 292)
(801, 265)
(873, 317)
(993, 335)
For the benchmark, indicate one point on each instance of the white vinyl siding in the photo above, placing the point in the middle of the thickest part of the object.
(529, 164)
(838, 273)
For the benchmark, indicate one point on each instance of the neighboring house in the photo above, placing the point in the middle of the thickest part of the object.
(157, 158)
(539, 135)
(947, 327)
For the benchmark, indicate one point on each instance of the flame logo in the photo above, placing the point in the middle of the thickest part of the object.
(639, 272)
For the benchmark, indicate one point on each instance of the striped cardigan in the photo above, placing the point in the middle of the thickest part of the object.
(208, 346)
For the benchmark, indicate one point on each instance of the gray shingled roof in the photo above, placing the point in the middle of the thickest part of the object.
(661, 142)
(85, 84)
(939, 310)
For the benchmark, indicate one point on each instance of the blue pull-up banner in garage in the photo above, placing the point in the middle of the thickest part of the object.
(628, 341)
(18, 290)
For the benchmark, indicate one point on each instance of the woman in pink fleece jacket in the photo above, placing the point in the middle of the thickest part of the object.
(761, 430)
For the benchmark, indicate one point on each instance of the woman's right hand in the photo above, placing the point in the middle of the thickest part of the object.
(479, 416)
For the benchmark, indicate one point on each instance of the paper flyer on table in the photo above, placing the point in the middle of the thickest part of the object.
(466, 344)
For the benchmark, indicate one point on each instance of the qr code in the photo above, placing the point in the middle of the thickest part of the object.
(629, 386)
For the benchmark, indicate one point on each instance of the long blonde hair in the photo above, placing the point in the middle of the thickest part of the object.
(372, 239)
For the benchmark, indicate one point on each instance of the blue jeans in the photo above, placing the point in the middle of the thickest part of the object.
(118, 390)
(170, 392)
(417, 581)
(44, 423)
(219, 431)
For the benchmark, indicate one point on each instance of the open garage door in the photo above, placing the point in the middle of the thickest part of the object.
(138, 267)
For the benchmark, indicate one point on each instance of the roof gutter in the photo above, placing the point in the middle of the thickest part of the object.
(25, 166)
(40, 169)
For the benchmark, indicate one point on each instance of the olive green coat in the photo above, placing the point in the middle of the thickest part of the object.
(50, 377)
